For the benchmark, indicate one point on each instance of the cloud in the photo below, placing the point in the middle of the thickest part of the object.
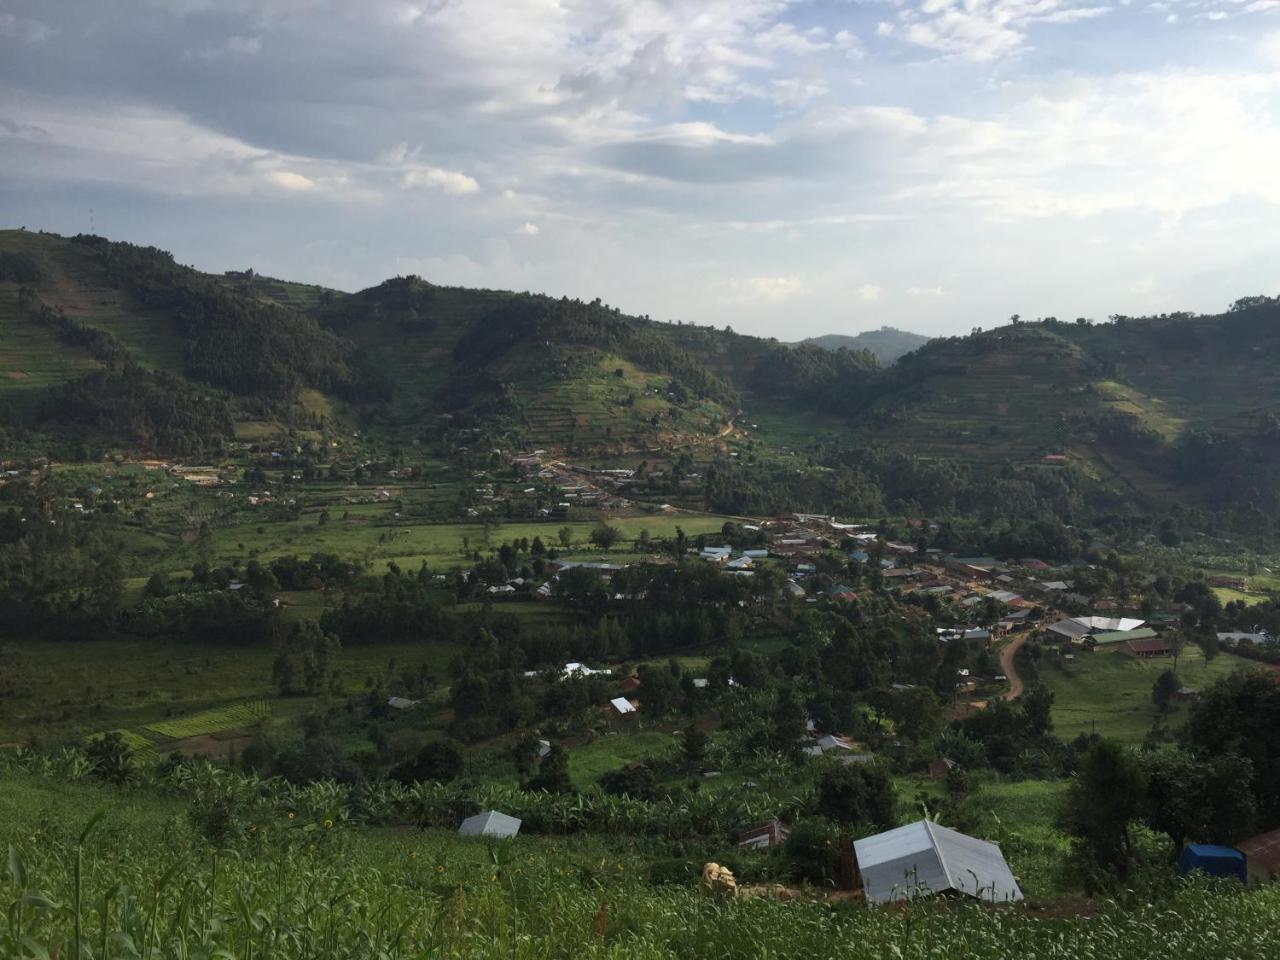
(528, 229)
(786, 38)
(1269, 45)
(234, 46)
(985, 30)
(452, 182)
(25, 29)
(868, 292)
(289, 180)
(928, 293)
(755, 153)
(756, 289)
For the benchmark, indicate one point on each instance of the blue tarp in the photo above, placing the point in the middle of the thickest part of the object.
(1215, 861)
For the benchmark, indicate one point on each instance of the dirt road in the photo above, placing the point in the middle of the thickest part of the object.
(1007, 653)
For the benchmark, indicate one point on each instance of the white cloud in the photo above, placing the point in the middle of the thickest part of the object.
(1269, 46)
(985, 30)
(528, 229)
(291, 181)
(784, 37)
(753, 289)
(869, 292)
(928, 293)
(434, 178)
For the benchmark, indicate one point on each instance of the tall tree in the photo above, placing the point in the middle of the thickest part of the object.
(1106, 796)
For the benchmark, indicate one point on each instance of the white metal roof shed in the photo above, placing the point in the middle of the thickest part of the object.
(622, 705)
(490, 823)
(924, 858)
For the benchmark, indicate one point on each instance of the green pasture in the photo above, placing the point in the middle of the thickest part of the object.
(1109, 692)
(68, 689)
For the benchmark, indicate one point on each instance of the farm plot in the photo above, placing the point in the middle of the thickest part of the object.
(231, 717)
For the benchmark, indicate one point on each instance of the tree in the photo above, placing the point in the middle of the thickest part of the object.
(658, 689)
(525, 754)
(1177, 643)
(1106, 796)
(604, 536)
(438, 762)
(158, 584)
(566, 537)
(1037, 706)
(1240, 714)
(786, 726)
(1207, 641)
(553, 774)
(858, 793)
(693, 746)
(284, 675)
(1207, 800)
(1165, 689)
(635, 780)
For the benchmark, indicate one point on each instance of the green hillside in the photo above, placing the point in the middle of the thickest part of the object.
(111, 346)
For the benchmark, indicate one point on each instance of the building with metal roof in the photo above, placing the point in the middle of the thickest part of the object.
(924, 858)
(490, 823)
(1262, 857)
(622, 705)
(1108, 637)
(1076, 628)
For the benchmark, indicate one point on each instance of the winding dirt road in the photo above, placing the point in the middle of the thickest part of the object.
(1007, 653)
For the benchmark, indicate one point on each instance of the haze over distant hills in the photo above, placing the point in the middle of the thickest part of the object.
(887, 344)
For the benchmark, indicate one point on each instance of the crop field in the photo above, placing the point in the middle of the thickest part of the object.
(231, 717)
(136, 742)
(1109, 692)
(315, 886)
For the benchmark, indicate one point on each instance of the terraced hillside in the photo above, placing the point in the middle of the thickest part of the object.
(1158, 409)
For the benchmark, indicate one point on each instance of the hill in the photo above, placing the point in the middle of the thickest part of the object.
(886, 344)
(109, 346)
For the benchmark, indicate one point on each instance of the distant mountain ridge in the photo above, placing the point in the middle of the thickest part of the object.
(886, 344)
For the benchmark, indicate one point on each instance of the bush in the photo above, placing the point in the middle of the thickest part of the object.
(859, 793)
(437, 762)
(812, 853)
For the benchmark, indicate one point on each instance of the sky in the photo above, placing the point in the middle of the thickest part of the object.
(785, 168)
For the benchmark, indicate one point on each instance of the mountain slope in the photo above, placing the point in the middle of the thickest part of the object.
(106, 345)
(886, 344)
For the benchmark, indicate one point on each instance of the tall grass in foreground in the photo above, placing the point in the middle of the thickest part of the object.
(115, 888)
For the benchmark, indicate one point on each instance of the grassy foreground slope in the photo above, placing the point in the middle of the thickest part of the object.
(307, 887)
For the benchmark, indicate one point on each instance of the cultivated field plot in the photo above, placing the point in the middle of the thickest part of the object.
(232, 717)
(136, 742)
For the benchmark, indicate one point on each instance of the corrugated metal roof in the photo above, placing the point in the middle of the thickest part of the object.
(1120, 636)
(1262, 850)
(923, 858)
(490, 823)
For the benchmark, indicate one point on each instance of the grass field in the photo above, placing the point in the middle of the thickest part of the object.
(1109, 692)
(231, 717)
(370, 529)
(612, 751)
(73, 688)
